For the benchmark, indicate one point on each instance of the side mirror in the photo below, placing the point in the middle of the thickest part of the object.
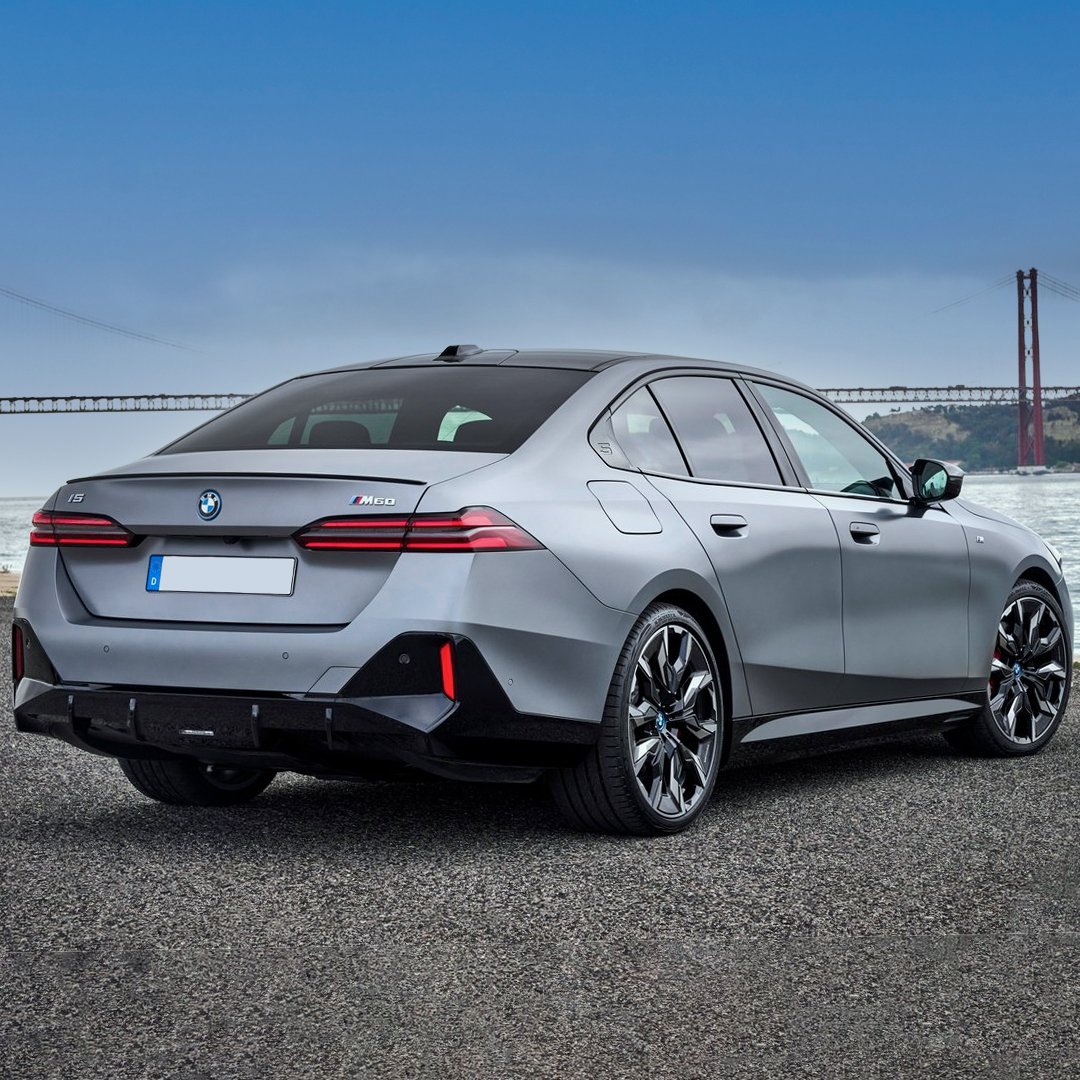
(936, 481)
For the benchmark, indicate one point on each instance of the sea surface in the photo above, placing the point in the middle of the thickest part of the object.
(1048, 504)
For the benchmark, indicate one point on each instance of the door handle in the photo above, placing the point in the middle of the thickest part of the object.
(864, 533)
(729, 524)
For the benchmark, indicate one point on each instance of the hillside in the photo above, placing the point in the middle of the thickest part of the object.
(977, 436)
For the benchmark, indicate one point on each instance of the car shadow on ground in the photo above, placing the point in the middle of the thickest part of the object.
(430, 813)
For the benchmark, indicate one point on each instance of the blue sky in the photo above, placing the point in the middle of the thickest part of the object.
(283, 186)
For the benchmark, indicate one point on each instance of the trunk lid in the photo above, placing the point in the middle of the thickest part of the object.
(264, 498)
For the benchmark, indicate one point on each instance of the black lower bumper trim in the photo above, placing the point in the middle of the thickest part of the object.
(317, 735)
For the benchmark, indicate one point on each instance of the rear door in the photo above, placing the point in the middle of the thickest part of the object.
(905, 568)
(774, 549)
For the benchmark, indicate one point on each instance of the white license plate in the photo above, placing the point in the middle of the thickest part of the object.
(220, 574)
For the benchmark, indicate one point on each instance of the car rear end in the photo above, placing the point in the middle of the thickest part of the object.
(287, 587)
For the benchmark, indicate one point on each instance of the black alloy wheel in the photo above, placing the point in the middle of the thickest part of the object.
(1027, 690)
(655, 763)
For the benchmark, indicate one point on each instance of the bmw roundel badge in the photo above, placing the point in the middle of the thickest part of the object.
(209, 505)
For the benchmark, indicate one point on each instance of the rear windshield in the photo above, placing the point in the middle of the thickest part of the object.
(490, 410)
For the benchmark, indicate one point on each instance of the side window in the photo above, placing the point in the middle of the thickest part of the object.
(833, 453)
(644, 436)
(717, 430)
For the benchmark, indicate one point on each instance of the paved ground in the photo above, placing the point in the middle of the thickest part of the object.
(890, 911)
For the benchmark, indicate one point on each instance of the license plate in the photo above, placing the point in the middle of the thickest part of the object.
(221, 574)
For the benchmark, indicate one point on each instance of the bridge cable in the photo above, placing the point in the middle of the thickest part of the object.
(85, 320)
(1000, 284)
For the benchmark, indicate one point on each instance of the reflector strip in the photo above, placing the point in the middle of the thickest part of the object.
(446, 662)
(18, 657)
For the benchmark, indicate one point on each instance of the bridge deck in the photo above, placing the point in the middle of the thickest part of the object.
(97, 403)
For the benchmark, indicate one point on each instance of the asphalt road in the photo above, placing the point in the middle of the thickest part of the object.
(889, 911)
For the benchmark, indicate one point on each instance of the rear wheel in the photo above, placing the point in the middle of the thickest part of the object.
(1028, 686)
(654, 766)
(192, 783)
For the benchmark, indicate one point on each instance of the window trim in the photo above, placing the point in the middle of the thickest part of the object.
(902, 474)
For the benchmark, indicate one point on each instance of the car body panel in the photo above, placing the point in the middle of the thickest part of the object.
(906, 586)
(780, 579)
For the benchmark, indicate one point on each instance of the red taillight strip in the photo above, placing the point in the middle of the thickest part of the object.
(355, 534)
(476, 528)
(77, 530)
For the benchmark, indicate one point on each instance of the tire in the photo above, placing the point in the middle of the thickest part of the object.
(191, 783)
(1028, 685)
(606, 792)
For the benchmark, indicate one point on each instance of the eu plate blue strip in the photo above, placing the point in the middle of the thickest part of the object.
(153, 574)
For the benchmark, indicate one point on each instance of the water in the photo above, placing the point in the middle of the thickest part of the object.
(15, 515)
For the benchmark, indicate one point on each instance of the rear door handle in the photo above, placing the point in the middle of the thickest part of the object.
(729, 524)
(864, 533)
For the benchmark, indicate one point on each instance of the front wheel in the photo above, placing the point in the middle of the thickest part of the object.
(1028, 686)
(654, 765)
(193, 783)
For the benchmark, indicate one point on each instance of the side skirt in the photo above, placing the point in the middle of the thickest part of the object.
(929, 711)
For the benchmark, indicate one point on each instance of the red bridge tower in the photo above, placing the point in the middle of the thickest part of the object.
(1029, 429)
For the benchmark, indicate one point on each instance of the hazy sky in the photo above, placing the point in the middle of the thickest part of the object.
(286, 186)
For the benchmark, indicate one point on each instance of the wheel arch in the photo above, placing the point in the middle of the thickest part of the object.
(1039, 576)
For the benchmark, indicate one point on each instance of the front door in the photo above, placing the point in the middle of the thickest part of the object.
(905, 567)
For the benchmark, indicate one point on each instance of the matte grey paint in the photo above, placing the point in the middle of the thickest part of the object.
(808, 618)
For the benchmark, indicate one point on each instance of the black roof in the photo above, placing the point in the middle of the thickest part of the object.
(578, 359)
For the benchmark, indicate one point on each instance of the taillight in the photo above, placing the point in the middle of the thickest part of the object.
(355, 534)
(18, 655)
(77, 530)
(476, 528)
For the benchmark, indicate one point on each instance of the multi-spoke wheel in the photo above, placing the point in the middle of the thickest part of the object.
(655, 764)
(192, 783)
(672, 720)
(1028, 685)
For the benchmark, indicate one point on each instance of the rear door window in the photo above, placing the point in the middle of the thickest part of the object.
(475, 408)
(717, 430)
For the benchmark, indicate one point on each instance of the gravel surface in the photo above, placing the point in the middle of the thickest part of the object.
(890, 911)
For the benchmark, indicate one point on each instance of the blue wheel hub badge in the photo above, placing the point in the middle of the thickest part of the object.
(209, 505)
(1017, 670)
(661, 721)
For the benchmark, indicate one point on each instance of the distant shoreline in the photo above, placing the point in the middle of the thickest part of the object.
(9, 582)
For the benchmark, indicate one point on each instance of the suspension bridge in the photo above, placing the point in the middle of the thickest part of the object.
(1028, 395)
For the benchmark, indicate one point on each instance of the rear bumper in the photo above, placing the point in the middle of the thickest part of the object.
(480, 736)
(551, 645)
